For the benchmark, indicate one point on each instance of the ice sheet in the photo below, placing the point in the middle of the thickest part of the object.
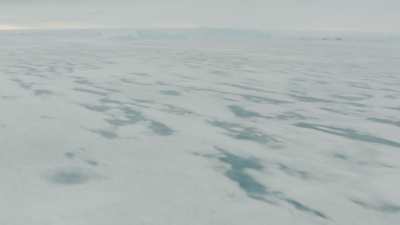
(100, 128)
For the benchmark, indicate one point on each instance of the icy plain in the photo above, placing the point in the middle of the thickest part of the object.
(105, 127)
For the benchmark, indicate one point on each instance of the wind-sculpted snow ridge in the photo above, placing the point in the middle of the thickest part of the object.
(100, 130)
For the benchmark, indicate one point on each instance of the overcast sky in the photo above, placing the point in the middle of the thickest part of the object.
(364, 15)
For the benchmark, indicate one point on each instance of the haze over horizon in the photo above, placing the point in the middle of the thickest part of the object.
(354, 15)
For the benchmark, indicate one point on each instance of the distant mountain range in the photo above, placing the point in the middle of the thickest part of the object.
(195, 33)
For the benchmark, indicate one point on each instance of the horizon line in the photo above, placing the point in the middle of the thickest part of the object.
(55, 28)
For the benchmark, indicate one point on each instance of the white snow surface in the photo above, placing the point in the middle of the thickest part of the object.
(98, 128)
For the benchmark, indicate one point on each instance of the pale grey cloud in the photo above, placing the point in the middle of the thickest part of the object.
(366, 15)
